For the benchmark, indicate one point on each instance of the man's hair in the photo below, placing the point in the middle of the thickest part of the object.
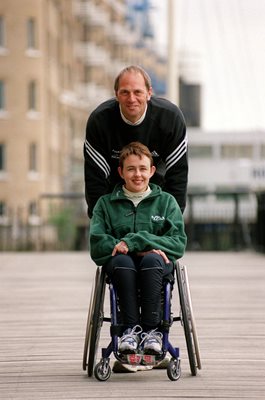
(137, 149)
(135, 69)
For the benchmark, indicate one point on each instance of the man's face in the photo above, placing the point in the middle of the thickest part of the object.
(136, 173)
(133, 95)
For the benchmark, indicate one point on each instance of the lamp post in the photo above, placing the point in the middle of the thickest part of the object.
(172, 81)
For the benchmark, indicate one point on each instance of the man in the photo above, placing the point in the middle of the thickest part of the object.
(135, 115)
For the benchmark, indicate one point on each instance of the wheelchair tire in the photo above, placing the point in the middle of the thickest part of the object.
(102, 372)
(192, 320)
(173, 369)
(88, 325)
(94, 322)
(188, 319)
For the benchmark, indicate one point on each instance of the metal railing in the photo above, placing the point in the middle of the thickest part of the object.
(214, 221)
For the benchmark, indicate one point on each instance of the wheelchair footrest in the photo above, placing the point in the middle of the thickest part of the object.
(143, 359)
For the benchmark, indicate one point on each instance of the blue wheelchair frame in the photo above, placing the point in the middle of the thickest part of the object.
(102, 369)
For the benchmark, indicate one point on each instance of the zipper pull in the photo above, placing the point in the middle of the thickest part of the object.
(130, 213)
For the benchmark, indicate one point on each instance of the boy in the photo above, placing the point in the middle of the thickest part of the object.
(136, 233)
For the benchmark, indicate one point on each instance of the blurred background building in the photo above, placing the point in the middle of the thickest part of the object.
(58, 61)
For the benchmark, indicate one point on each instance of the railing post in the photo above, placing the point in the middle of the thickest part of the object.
(190, 232)
(260, 222)
(236, 223)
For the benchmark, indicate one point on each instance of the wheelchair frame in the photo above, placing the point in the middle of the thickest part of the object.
(96, 318)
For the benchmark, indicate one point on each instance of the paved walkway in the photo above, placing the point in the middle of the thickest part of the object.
(43, 308)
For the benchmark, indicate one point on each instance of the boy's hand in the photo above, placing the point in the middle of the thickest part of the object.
(160, 252)
(120, 247)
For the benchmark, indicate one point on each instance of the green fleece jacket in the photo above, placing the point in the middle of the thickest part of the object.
(156, 223)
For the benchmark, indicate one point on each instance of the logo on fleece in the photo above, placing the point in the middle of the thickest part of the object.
(157, 218)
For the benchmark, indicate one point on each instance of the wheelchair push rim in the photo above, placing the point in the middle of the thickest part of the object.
(94, 322)
(188, 320)
(192, 320)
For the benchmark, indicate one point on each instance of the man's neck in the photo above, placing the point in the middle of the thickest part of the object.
(138, 122)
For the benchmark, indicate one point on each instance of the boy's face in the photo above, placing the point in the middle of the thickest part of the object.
(136, 173)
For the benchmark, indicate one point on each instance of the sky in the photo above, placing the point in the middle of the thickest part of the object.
(225, 43)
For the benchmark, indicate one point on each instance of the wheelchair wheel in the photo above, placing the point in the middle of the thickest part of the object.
(102, 370)
(173, 369)
(94, 322)
(88, 330)
(188, 319)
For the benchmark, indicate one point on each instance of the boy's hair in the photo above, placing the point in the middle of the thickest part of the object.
(137, 149)
(136, 69)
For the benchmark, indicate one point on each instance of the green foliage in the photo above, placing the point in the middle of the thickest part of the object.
(64, 221)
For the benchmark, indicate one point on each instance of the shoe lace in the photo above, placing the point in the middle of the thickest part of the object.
(136, 330)
(150, 335)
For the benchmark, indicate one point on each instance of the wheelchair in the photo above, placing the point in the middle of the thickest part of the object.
(96, 317)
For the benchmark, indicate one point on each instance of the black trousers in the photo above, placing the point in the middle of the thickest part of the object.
(139, 281)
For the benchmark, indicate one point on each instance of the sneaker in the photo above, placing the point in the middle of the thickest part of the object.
(130, 340)
(152, 342)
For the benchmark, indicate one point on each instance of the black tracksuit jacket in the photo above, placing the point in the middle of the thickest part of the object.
(163, 131)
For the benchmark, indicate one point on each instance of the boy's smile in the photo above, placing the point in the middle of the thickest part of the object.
(136, 173)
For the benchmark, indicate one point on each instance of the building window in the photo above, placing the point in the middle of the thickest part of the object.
(258, 173)
(31, 34)
(33, 208)
(88, 74)
(262, 151)
(2, 31)
(190, 102)
(33, 217)
(33, 157)
(2, 209)
(2, 157)
(3, 214)
(201, 151)
(236, 151)
(2, 95)
(32, 96)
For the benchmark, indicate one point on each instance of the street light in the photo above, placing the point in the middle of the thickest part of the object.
(172, 81)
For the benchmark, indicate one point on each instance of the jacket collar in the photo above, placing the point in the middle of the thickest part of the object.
(118, 192)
